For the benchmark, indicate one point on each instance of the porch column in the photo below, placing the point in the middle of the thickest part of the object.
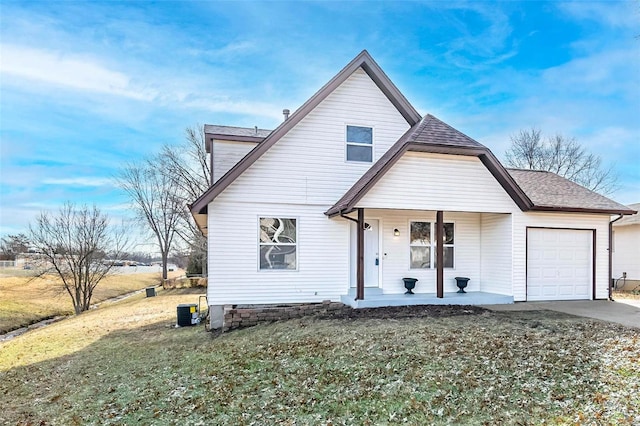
(360, 270)
(439, 255)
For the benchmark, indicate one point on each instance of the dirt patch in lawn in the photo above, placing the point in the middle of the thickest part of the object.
(396, 312)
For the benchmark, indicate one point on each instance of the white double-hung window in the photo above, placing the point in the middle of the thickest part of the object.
(422, 245)
(278, 243)
(360, 144)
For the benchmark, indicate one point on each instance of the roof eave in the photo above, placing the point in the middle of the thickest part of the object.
(543, 208)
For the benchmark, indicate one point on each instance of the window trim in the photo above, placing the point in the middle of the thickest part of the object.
(369, 145)
(432, 244)
(260, 244)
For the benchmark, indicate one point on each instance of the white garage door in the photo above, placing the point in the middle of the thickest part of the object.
(559, 264)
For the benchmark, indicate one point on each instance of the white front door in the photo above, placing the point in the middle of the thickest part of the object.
(559, 264)
(372, 253)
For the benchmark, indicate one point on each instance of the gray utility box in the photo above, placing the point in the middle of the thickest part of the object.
(188, 314)
(151, 291)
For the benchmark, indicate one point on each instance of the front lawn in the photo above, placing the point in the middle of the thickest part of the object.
(126, 364)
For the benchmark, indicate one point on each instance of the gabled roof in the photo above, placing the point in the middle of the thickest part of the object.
(364, 61)
(550, 192)
(231, 133)
(530, 190)
(630, 220)
(435, 136)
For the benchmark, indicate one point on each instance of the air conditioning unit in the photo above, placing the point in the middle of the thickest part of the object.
(188, 314)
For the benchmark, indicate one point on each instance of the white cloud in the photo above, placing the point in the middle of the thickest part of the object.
(79, 181)
(68, 70)
(616, 14)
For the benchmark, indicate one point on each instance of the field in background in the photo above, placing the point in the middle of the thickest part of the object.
(25, 299)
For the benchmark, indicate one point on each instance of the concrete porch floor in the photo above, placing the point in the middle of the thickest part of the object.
(374, 298)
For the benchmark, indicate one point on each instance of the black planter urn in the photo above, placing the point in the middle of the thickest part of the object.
(461, 282)
(409, 284)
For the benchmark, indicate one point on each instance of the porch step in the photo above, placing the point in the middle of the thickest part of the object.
(368, 291)
(469, 298)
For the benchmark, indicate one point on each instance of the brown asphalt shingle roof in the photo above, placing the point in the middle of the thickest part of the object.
(432, 131)
(236, 131)
(547, 189)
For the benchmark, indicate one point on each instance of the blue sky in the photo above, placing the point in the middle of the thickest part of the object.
(87, 86)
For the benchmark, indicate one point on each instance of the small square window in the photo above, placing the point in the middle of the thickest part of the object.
(360, 144)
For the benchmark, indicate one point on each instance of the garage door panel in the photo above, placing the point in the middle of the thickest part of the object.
(559, 264)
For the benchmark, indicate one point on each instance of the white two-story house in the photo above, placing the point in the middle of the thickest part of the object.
(356, 190)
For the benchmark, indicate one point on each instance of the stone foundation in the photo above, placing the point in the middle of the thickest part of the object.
(250, 315)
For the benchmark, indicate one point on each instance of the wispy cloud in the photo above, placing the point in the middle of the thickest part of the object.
(68, 70)
(616, 14)
(79, 181)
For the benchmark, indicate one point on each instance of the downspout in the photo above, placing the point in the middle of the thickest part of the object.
(360, 252)
(439, 254)
(611, 255)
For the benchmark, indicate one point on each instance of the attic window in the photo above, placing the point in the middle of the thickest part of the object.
(360, 144)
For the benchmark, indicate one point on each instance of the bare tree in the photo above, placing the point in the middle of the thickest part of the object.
(156, 203)
(563, 156)
(80, 246)
(187, 165)
(163, 187)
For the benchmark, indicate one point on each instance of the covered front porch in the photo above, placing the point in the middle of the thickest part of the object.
(375, 298)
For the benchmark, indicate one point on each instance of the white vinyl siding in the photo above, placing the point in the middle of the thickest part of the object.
(307, 165)
(423, 181)
(495, 253)
(300, 176)
(323, 263)
(226, 154)
(626, 253)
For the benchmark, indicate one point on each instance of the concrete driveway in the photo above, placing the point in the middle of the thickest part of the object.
(623, 311)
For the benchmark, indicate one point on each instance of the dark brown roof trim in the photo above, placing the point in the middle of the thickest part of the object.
(234, 138)
(539, 208)
(364, 61)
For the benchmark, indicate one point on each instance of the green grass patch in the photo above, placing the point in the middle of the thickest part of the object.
(126, 364)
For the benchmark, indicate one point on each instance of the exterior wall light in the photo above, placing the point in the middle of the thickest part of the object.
(396, 232)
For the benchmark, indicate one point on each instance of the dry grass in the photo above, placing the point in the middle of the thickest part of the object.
(631, 295)
(26, 299)
(124, 363)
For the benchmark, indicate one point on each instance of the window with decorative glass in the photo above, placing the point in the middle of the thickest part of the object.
(360, 144)
(422, 245)
(278, 243)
